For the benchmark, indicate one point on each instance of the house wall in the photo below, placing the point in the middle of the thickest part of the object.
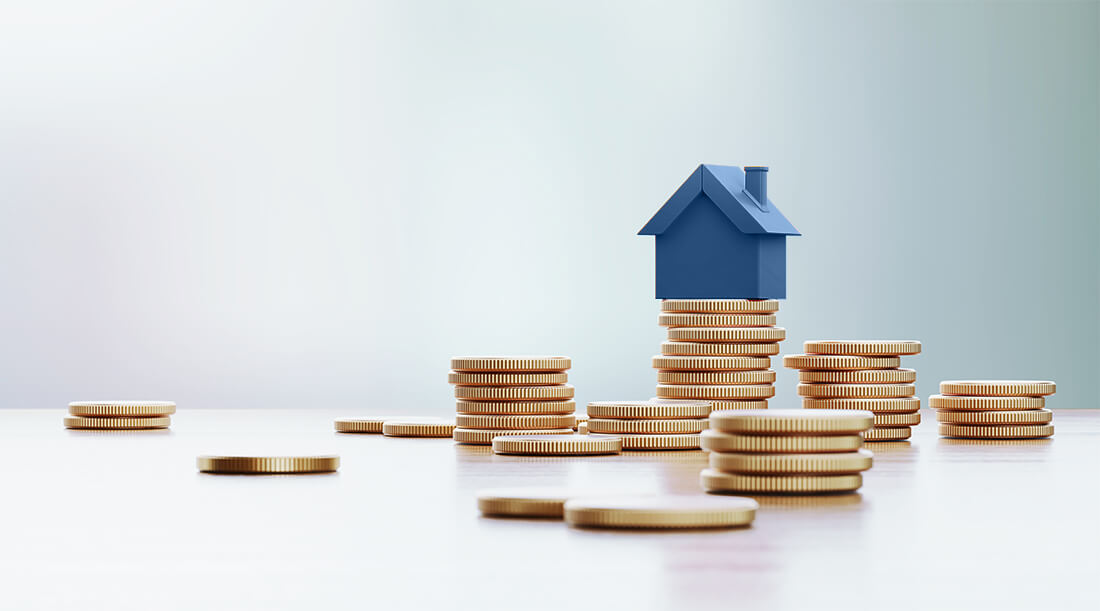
(703, 256)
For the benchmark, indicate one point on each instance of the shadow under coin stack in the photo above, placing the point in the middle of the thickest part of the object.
(120, 415)
(719, 350)
(657, 424)
(994, 409)
(861, 375)
(786, 451)
(511, 396)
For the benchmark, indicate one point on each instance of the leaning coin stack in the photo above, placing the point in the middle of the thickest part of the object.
(120, 415)
(511, 396)
(786, 451)
(994, 409)
(719, 350)
(861, 375)
(657, 424)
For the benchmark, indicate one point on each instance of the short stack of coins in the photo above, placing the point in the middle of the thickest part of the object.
(509, 395)
(719, 350)
(994, 409)
(120, 415)
(786, 451)
(657, 424)
(862, 375)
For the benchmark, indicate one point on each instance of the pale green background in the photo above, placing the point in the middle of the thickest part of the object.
(260, 204)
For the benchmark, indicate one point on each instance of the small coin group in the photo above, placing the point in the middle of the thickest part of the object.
(861, 375)
(511, 395)
(120, 415)
(994, 409)
(656, 424)
(719, 350)
(786, 451)
(583, 509)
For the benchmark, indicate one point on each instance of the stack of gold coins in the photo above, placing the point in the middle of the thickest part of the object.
(511, 395)
(120, 415)
(994, 409)
(719, 350)
(657, 424)
(863, 375)
(786, 451)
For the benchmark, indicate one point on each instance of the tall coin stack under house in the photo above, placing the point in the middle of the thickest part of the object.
(863, 375)
(511, 396)
(719, 350)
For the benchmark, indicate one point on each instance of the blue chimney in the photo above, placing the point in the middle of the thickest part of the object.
(756, 183)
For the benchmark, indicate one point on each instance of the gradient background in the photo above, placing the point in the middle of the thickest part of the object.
(261, 204)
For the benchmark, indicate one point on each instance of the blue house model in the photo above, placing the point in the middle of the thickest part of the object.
(720, 237)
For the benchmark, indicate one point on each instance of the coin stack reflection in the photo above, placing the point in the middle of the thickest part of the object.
(511, 396)
(719, 350)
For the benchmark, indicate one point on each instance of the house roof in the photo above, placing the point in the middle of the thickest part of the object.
(725, 186)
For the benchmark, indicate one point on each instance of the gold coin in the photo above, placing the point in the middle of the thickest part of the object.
(985, 403)
(659, 512)
(681, 426)
(557, 445)
(268, 464)
(717, 481)
(998, 388)
(719, 405)
(810, 444)
(117, 424)
(997, 431)
(710, 363)
(514, 393)
(648, 410)
(888, 420)
(720, 306)
(486, 421)
(532, 502)
(677, 319)
(905, 405)
(1028, 416)
(837, 462)
(766, 376)
(484, 437)
(856, 391)
(362, 425)
(506, 379)
(792, 422)
(122, 409)
(863, 348)
(655, 441)
(834, 363)
(727, 334)
(414, 427)
(582, 428)
(742, 391)
(718, 349)
(511, 363)
(858, 376)
(516, 408)
(887, 433)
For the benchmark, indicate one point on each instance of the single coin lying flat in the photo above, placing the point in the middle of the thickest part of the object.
(858, 376)
(485, 437)
(659, 512)
(836, 362)
(117, 409)
(997, 431)
(528, 502)
(663, 409)
(888, 433)
(720, 306)
(856, 391)
(511, 364)
(324, 463)
(687, 319)
(506, 379)
(906, 405)
(362, 425)
(1027, 416)
(629, 441)
(679, 426)
(810, 444)
(515, 393)
(675, 348)
(418, 427)
(710, 363)
(727, 334)
(985, 403)
(701, 391)
(557, 445)
(763, 376)
(539, 421)
(863, 347)
(776, 464)
(117, 424)
(792, 422)
(998, 388)
(515, 408)
(718, 481)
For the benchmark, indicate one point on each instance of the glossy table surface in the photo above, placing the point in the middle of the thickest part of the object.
(124, 520)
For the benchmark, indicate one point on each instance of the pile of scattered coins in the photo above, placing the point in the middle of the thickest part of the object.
(511, 396)
(120, 415)
(719, 350)
(994, 409)
(657, 424)
(786, 451)
(862, 375)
